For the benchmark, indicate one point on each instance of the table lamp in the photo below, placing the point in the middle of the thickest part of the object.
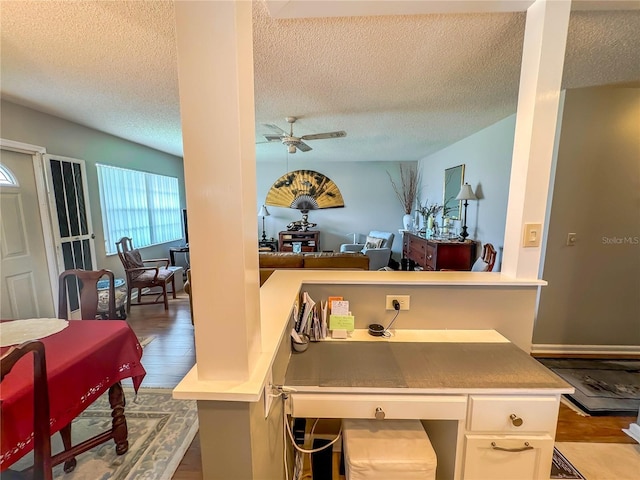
(466, 193)
(263, 213)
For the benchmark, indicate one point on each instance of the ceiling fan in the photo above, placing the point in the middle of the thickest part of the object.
(294, 143)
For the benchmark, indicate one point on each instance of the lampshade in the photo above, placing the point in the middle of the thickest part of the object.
(263, 212)
(466, 193)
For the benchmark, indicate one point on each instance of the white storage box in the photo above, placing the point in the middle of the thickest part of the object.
(387, 449)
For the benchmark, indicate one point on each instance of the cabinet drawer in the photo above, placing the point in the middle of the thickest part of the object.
(507, 457)
(337, 405)
(430, 256)
(417, 255)
(488, 413)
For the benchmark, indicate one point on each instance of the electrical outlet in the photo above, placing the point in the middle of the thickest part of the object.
(403, 300)
(268, 399)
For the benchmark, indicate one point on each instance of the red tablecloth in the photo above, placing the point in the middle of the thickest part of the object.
(83, 361)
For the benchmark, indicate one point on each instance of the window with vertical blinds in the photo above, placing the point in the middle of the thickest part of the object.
(140, 205)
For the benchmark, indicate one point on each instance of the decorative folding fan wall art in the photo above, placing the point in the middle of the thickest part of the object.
(304, 190)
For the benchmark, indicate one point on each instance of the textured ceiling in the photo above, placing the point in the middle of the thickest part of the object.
(400, 86)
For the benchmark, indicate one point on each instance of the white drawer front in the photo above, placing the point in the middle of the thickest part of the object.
(334, 405)
(507, 457)
(492, 413)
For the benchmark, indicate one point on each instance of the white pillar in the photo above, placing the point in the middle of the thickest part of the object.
(215, 72)
(540, 80)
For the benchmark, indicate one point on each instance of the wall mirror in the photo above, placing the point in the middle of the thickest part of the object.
(453, 180)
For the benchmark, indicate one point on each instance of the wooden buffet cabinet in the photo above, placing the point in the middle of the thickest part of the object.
(438, 254)
(309, 241)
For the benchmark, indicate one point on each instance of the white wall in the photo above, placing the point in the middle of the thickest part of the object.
(369, 201)
(487, 159)
(61, 137)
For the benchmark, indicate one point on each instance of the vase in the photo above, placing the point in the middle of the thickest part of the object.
(430, 222)
(407, 221)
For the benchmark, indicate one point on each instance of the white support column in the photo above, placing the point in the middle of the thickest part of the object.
(215, 72)
(540, 80)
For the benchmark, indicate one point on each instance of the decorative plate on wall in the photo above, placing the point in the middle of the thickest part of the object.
(304, 190)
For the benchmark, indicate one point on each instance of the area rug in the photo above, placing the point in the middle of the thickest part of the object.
(603, 387)
(160, 432)
(144, 341)
(561, 468)
(603, 461)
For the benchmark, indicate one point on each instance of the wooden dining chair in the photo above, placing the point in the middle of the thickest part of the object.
(146, 278)
(79, 289)
(486, 262)
(41, 435)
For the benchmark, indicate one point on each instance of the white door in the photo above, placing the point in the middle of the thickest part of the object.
(71, 216)
(24, 272)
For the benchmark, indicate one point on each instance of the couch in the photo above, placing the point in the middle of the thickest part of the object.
(271, 261)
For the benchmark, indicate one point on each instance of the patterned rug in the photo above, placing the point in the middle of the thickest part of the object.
(160, 432)
(561, 468)
(144, 341)
(603, 387)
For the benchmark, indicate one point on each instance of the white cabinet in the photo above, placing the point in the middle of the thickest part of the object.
(509, 437)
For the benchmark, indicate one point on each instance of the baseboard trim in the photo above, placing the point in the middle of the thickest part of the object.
(615, 350)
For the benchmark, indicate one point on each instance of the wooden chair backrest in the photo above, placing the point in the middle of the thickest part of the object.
(41, 433)
(489, 256)
(124, 245)
(86, 283)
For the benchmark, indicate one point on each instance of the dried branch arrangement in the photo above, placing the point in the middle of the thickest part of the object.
(407, 190)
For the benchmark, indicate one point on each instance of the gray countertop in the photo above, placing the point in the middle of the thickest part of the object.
(423, 365)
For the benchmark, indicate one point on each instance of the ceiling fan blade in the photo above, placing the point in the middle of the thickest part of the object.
(320, 136)
(275, 128)
(303, 147)
(273, 138)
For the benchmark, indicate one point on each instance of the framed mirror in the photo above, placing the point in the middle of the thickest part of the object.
(453, 180)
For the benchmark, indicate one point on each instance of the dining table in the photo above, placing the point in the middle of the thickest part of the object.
(84, 360)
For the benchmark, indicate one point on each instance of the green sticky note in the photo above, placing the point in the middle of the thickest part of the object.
(341, 322)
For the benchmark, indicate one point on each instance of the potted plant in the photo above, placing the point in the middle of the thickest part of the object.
(407, 191)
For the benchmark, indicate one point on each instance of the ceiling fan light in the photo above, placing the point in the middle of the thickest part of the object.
(292, 149)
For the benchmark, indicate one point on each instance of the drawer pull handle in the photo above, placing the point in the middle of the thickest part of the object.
(429, 257)
(515, 420)
(503, 449)
(380, 413)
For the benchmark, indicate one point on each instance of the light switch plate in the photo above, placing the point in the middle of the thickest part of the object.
(532, 234)
(572, 238)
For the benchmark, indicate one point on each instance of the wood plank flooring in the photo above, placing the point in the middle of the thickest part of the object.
(172, 354)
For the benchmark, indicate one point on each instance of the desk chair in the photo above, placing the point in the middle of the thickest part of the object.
(144, 277)
(41, 436)
(80, 288)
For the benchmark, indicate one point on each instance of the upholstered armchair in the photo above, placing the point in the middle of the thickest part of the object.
(377, 247)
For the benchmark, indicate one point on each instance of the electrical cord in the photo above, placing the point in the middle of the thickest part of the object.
(396, 306)
(304, 450)
(284, 393)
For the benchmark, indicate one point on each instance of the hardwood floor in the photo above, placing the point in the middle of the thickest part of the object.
(172, 354)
